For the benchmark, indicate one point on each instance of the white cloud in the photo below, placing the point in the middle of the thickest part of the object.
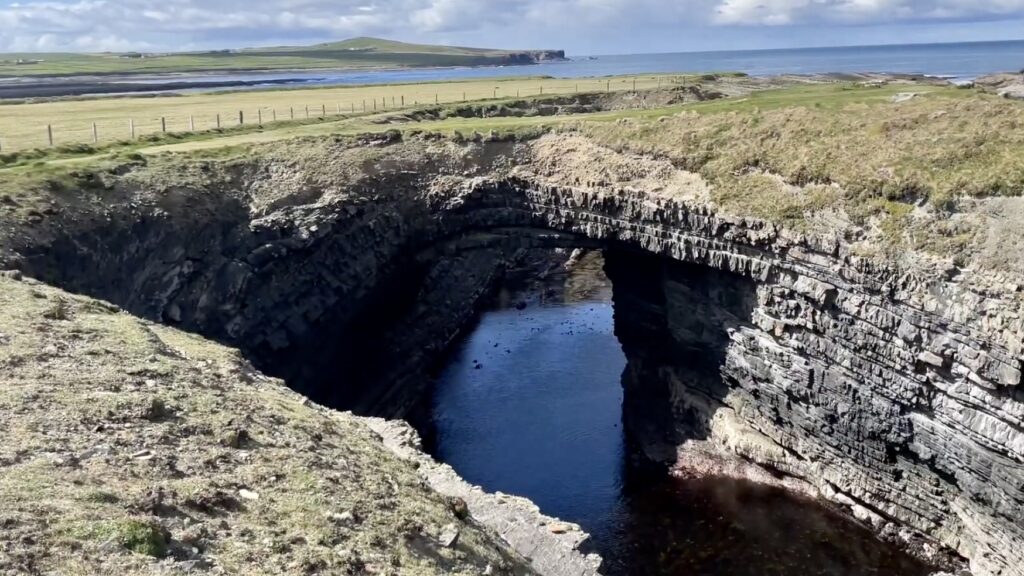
(782, 12)
(177, 24)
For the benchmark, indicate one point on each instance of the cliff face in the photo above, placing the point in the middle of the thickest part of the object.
(896, 396)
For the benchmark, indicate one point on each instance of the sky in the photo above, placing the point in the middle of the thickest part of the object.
(581, 27)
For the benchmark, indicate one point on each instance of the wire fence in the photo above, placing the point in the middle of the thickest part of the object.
(83, 123)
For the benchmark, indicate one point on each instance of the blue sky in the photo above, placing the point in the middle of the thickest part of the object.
(578, 26)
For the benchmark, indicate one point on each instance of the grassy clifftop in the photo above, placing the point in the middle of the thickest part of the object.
(132, 448)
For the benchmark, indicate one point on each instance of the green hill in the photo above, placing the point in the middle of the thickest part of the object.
(357, 53)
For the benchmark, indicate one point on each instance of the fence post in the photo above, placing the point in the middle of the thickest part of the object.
(374, 104)
(49, 133)
(542, 90)
(436, 100)
(463, 96)
(403, 100)
(259, 116)
(292, 110)
(163, 124)
(392, 101)
(307, 111)
(241, 118)
(339, 108)
(608, 86)
(131, 129)
(634, 84)
(353, 107)
(364, 105)
(495, 92)
(323, 110)
(95, 134)
(218, 121)
(274, 114)
(191, 123)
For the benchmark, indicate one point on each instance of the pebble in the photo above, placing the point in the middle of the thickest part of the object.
(248, 494)
(449, 535)
(559, 528)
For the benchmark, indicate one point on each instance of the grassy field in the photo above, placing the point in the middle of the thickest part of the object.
(355, 53)
(28, 125)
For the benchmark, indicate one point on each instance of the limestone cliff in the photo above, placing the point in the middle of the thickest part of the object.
(893, 392)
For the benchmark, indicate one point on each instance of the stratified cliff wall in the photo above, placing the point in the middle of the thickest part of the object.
(896, 396)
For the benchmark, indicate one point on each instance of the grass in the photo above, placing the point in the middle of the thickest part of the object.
(360, 53)
(942, 144)
(80, 386)
(780, 154)
(138, 536)
(23, 126)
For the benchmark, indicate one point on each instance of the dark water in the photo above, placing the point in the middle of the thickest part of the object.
(530, 404)
(956, 61)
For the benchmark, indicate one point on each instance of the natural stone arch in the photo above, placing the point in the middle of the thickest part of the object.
(886, 394)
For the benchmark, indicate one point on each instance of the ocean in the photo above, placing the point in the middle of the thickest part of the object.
(959, 62)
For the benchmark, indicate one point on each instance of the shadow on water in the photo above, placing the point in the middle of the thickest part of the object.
(531, 403)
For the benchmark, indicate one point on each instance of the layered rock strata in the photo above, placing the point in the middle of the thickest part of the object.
(896, 396)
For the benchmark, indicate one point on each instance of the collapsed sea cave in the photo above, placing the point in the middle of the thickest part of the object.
(750, 355)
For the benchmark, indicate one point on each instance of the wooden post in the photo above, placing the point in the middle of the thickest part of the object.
(218, 121)
(163, 124)
(273, 115)
(403, 100)
(292, 110)
(353, 107)
(436, 100)
(307, 111)
(542, 90)
(634, 84)
(49, 133)
(392, 101)
(339, 108)
(577, 88)
(131, 129)
(241, 118)
(259, 116)
(323, 110)
(463, 96)
(495, 92)
(374, 104)
(191, 123)
(364, 105)
(95, 134)
(608, 87)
